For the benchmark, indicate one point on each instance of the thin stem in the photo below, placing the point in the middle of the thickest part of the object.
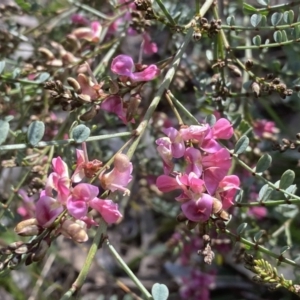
(271, 45)
(277, 27)
(124, 266)
(175, 111)
(267, 203)
(165, 11)
(64, 142)
(88, 262)
(164, 86)
(261, 249)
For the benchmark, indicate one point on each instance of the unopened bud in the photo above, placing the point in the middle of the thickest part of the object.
(197, 36)
(255, 88)
(134, 103)
(121, 162)
(22, 249)
(191, 225)
(74, 84)
(40, 251)
(235, 70)
(15, 245)
(89, 115)
(113, 87)
(217, 206)
(47, 53)
(74, 231)
(28, 227)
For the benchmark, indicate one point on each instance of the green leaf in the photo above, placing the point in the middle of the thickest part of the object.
(291, 189)
(263, 2)
(257, 40)
(284, 249)
(241, 145)
(2, 66)
(296, 32)
(264, 193)
(287, 179)
(43, 77)
(230, 20)
(35, 132)
(210, 120)
(160, 291)
(248, 9)
(276, 18)
(284, 36)
(288, 16)
(255, 19)
(4, 130)
(263, 163)
(277, 36)
(258, 235)
(80, 133)
(241, 228)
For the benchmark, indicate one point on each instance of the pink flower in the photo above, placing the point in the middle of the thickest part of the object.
(176, 140)
(149, 46)
(165, 151)
(264, 128)
(78, 174)
(227, 189)
(119, 177)
(107, 209)
(79, 19)
(195, 132)
(89, 90)
(27, 210)
(123, 65)
(216, 167)
(193, 159)
(91, 34)
(78, 202)
(222, 129)
(47, 210)
(59, 180)
(114, 104)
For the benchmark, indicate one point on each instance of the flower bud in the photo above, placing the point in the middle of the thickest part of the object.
(89, 114)
(255, 88)
(74, 231)
(28, 227)
(41, 251)
(121, 162)
(74, 84)
(217, 206)
(15, 245)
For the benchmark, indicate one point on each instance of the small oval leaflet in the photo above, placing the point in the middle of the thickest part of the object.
(263, 163)
(255, 20)
(287, 179)
(35, 132)
(257, 40)
(241, 145)
(258, 235)
(2, 66)
(264, 193)
(263, 2)
(288, 16)
(242, 227)
(160, 291)
(277, 36)
(42, 77)
(4, 129)
(276, 18)
(80, 133)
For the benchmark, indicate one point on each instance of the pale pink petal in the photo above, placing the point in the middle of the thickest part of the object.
(148, 74)
(222, 129)
(85, 192)
(122, 65)
(78, 209)
(60, 167)
(108, 210)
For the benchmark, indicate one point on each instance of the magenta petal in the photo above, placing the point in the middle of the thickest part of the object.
(108, 210)
(212, 177)
(85, 192)
(60, 167)
(148, 74)
(200, 210)
(166, 183)
(77, 209)
(222, 129)
(210, 145)
(47, 210)
(122, 65)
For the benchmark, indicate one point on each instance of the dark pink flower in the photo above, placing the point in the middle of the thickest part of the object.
(193, 159)
(79, 19)
(149, 46)
(222, 129)
(47, 210)
(123, 65)
(215, 168)
(119, 177)
(227, 189)
(264, 128)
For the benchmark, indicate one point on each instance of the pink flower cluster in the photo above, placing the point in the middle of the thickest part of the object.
(204, 181)
(59, 193)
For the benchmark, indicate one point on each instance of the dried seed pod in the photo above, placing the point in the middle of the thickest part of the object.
(113, 87)
(235, 70)
(89, 114)
(29, 227)
(134, 103)
(46, 52)
(22, 249)
(15, 245)
(73, 230)
(41, 251)
(74, 84)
